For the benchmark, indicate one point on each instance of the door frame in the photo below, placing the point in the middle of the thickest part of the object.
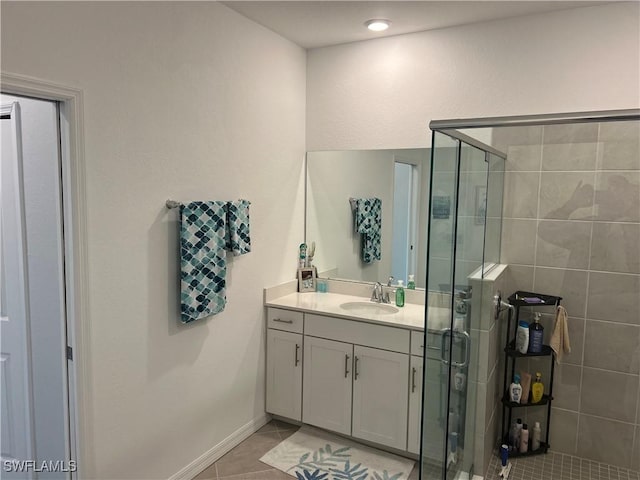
(75, 251)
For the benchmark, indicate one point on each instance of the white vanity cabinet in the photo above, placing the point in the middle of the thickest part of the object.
(284, 364)
(328, 389)
(380, 386)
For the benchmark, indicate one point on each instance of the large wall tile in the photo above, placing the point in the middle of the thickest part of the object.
(614, 297)
(619, 146)
(605, 441)
(612, 346)
(566, 195)
(523, 158)
(566, 387)
(609, 394)
(521, 194)
(635, 463)
(570, 133)
(563, 244)
(617, 196)
(571, 285)
(615, 247)
(518, 241)
(564, 431)
(569, 156)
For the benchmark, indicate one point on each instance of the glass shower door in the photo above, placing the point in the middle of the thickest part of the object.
(456, 261)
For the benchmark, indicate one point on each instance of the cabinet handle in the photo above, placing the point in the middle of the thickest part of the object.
(297, 359)
(346, 365)
(413, 379)
(355, 369)
(282, 321)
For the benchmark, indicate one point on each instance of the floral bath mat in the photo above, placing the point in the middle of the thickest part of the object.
(311, 454)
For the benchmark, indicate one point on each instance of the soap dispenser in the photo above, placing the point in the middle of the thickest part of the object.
(411, 285)
(399, 294)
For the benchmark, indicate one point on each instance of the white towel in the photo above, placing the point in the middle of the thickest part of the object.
(560, 338)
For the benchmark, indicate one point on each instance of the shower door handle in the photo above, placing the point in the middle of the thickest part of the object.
(446, 332)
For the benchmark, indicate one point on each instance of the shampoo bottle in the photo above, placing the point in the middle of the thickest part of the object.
(535, 438)
(411, 284)
(518, 434)
(399, 295)
(537, 389)
(515, 389)
(522, 337)
(524, 439)
(536, 335)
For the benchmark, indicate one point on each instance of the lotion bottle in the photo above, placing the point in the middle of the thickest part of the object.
(399, 294)
(536, 335)
(535, 438)
(515, 389)
(524, 439)
(537, 389)
(522, 337)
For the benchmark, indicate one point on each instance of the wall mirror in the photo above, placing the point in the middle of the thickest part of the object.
(400, 179)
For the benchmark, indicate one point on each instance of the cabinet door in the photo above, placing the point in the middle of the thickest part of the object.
(284, 374)
(380, 396)
(327, 384)
(415, 405)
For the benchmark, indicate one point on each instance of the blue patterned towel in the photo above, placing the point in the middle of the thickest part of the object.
(203, 259)
(238, 238)
(368, 215)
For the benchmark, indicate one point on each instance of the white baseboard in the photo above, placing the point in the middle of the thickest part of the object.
(217, 451)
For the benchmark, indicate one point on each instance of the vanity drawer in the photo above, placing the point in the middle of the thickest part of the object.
(286, 320)
(359, 333)
(417, 343)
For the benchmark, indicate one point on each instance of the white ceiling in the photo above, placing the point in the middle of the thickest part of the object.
(313, 24)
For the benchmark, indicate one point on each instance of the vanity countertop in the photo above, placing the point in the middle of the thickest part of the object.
(410, 316)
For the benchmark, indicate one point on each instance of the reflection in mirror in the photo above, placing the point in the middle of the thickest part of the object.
(400, 179)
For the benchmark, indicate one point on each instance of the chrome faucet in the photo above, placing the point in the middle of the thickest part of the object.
(379, 295)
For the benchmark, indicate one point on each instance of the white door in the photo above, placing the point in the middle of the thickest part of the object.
(326, 397)
(15, 382)
(380, 396)
(284, 374)
(415, 405)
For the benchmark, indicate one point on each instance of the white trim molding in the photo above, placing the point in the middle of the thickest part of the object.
(217, 451)
(76, 261)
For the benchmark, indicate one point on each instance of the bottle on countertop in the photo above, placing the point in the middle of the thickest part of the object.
(537, 389)
(524, 439)
(536, 335)
(515, 389)
(399, 294)
(535, 437)
(411, 284)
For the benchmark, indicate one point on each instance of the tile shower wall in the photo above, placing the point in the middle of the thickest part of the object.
(572, 228)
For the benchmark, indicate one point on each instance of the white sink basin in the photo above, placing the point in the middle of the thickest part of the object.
(368, 308)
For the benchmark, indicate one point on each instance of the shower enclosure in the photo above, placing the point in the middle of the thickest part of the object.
(552, 204)
(464, 244)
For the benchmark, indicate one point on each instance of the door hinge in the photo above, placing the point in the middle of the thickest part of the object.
(69, 353)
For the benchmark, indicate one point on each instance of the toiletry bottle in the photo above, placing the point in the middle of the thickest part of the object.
(524, 439)
(535, 438)
(537, 389)
(513, 435)
(399, 295)
(515, 389)
(411, 284)
(522, 337)
(536, 335)
(518, 434)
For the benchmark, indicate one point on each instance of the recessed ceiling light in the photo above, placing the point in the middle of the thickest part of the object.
(377, 25)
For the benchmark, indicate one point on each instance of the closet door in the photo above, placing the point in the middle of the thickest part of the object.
(326, 398)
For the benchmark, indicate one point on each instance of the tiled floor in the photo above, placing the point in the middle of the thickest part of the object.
(558, 466)
(243, 462)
